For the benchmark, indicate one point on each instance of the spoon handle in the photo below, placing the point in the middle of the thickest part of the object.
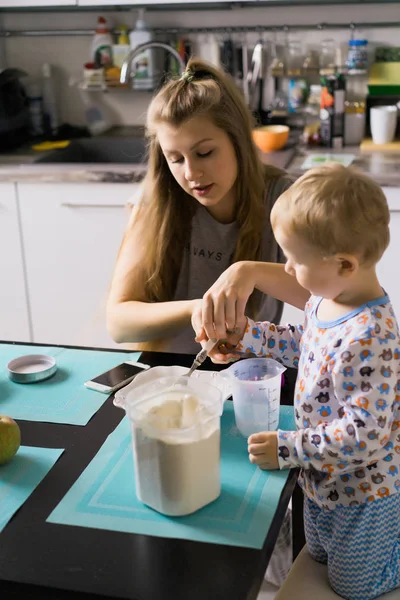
(201, 357)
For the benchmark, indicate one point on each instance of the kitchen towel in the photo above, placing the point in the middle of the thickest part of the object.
(104, 496)
(21, 475)
(63, 398)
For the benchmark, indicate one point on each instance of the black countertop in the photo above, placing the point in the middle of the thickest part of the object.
(40, 560)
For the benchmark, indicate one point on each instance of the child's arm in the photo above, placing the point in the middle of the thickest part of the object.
(366, 393)
(272, 341)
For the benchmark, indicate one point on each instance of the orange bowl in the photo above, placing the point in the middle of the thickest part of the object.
(271, 137)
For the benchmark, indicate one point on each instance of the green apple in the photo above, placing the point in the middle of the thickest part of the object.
(10, 439)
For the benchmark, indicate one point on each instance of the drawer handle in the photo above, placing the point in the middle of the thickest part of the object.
(83, 205)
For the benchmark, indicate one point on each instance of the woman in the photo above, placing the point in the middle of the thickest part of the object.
(205, 204)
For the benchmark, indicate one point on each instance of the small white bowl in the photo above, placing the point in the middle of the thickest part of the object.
(31, 368)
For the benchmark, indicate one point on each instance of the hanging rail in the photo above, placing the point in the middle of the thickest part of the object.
(199, 30)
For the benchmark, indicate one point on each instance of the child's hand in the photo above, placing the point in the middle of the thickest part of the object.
(263, 449)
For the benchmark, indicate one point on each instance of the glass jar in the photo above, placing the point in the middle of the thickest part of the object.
(294, 63)
(357, 56)
(327, 60)
(354, 123)
(310, 63)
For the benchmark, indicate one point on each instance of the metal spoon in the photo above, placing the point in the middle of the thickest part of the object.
(199, 359)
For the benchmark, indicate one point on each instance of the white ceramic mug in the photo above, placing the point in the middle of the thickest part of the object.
(383, 123)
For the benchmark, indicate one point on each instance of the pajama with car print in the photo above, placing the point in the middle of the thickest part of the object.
(347, 442)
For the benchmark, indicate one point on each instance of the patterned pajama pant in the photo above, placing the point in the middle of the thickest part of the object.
(360, 545)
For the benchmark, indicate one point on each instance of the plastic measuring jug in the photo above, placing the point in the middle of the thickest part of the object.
(176, 444)
(256, 392)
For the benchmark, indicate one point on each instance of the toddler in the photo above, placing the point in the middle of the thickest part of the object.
(333, 226)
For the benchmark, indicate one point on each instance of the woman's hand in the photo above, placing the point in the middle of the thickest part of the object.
(263, 450)
(224, 349)
(225, 302)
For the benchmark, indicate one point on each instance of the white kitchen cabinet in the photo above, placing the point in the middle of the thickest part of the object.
(72, 233)
(150, 2)
(36, 3)
(14, 319)
(388, 267)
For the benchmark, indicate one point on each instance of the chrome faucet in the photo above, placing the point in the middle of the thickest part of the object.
(139, 49)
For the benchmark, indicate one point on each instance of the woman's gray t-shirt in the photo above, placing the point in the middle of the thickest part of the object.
(209, 253)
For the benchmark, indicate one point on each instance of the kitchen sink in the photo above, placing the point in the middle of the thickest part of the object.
(99, 150)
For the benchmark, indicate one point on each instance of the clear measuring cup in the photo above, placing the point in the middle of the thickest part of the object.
(176, 444)
(256, 392)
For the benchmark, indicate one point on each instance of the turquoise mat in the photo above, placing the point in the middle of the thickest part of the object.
(104, 496)
(63, 398)
(21, 475)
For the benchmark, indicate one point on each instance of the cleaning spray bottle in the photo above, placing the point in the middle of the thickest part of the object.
(101, 51)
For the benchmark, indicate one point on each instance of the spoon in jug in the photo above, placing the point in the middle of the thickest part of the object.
(199, 359)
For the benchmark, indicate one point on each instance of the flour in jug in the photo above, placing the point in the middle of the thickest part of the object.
(177, 455)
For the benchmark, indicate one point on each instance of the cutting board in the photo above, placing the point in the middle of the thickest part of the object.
(369, 146)
(280, 159)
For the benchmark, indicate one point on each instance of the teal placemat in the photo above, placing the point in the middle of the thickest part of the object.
(21, 475)
(104, 496)
(63, 398)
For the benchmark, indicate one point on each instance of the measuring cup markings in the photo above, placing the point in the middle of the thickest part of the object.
(256, 388)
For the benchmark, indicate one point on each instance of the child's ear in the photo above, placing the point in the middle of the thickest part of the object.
(347, 264)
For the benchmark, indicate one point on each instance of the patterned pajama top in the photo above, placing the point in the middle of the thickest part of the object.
(347, 401)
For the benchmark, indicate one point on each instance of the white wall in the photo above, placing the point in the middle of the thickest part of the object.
(127, 107)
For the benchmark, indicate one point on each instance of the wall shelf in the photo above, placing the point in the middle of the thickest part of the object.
(199, 30)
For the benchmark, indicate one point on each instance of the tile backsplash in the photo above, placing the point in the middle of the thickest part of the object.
(67, 54)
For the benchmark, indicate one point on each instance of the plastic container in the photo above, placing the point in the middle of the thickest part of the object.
(31, 368)
(127, 395)
(357, 56)
(144, 71)
(176, 444)
(256, 390)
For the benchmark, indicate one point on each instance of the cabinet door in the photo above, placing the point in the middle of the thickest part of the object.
(14, 321)
(388, 267)
(72, 233)
(36, 3)
(150, 2)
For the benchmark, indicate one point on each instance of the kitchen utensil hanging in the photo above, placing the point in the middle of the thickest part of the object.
(256, 81)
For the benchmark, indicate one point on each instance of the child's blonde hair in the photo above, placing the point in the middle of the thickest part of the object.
(337, 209)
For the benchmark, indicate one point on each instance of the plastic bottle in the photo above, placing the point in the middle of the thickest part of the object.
(357, 56)
(101, 51)
(35, 108)
(122, 49)
(50, 113)
(145, 77)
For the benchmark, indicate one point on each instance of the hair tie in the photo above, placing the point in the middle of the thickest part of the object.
(187, 76)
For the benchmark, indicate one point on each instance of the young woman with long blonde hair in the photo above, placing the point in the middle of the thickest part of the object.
(205, 204)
